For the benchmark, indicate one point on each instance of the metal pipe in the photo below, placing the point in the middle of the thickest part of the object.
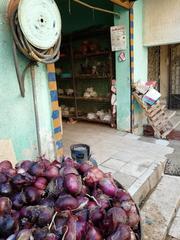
(32, 70)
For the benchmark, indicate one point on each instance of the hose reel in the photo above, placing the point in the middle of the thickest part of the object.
(36, 27)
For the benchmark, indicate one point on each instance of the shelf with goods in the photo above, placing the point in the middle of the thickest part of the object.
(87, 70)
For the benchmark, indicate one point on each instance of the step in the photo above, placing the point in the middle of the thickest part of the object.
(174, 232)
(159, 210)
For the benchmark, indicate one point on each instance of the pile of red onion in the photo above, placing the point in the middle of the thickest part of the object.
(46, 200)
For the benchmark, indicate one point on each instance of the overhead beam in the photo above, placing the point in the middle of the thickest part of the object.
(123, 3)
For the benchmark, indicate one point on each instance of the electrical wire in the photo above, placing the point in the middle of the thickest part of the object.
(96, 8)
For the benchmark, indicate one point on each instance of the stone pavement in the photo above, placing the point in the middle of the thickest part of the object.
(135, 163)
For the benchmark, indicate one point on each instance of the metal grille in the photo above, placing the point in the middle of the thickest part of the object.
(174, 86)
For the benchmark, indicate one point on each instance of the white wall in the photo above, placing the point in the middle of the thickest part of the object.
(161, 22)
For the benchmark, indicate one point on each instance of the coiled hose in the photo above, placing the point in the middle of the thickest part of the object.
(38, 55)
(34, 54)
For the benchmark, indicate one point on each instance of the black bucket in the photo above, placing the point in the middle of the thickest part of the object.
(80, 152)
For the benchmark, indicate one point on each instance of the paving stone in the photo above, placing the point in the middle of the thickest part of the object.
(160, 208)
(133, 169)
(114, 164)
(174, 231)
(124, 179)
(106, 169)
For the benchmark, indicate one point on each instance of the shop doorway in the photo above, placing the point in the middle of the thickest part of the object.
(174, 77)
(85, 71)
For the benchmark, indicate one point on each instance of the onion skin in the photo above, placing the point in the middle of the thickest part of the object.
(24, 235)
(73, 184)
(96, 215)
(108, 187)
(66, 202)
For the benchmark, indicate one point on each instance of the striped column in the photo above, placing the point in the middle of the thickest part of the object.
(132, 66)
(55, 111)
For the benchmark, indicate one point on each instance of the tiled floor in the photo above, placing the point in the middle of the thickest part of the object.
(135, 164)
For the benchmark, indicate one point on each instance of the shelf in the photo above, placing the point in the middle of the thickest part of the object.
(93, 120)
(95, 54)
(90, 76)
(97, 99)
(66, 97)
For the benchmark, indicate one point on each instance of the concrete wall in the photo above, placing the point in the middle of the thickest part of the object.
(123, 78)
(17, 120)
(161, 22)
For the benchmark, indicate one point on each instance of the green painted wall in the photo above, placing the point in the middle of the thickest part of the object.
(140, 61)
(140, 52)
(17, 120)
(123, 77)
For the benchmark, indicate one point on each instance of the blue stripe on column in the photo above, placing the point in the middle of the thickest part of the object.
(57, 130)
(54, 96)
(59, 144)
(51, 77)
(55, 114)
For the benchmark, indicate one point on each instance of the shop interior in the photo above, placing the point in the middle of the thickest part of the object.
(85, 72)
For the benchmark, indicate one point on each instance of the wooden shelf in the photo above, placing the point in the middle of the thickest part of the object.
(97, 99)
(90, 76)
(66, 97)
(93, 120)
(94, 54)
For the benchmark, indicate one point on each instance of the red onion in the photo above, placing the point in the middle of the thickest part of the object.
(80, 229)
(123, 232)
(93, 234)
(5, 165)
(32, 195)
(68, 170)
(41, 183)
(122, 195)
(93, 175)
(5, 189)
(7, 226)
(18, 200)
(108, 187)
(38, 169)
(133, 217)
(52, 172)
(84, 167)
(73, 184)
(66, 202)
(117, 215)
(3, 178)
(96, 215)
(24, 234)
(5, 205)
(71, 229)
(24, 165)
